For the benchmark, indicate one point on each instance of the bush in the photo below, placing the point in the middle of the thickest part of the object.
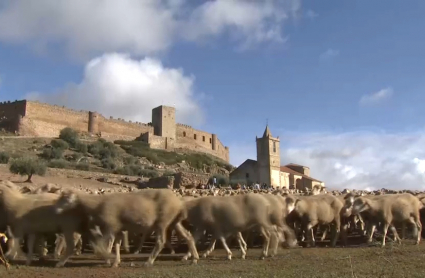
(102, 149)
(53, 153)
(148, 173)
(27, 166)
(69, 135)
(59, 144)
(81, 148)
(58, 163)
(82, 166)
(4, 158)
(129, 160)
(129, 170)
(108, 163)
(168, 173)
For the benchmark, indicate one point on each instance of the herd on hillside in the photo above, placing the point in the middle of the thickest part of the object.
(69, 219)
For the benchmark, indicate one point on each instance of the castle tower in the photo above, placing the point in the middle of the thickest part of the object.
(268, 159)
(164, 121)
(93, 126)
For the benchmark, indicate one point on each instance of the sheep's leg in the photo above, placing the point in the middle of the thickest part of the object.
(125, 241)
(372, 231)
(159, 245)
(309, 232)
(266, 235)
(210, 247)
(196, 236)
(69, 240)
(118, 241)
(78, 243)
(386, 226)
(168, 243)
(142, 241)
(30, 246)
(189, 241)
(416, 221)
(325, 233)
(336, 228)
(396, 238)
(59, 245)
(242, 245)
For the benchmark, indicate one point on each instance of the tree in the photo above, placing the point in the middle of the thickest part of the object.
(27, 166)
(69, 135)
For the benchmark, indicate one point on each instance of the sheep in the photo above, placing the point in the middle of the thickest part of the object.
(368, 218)
(316, 209)
(31, 215)
(230, 215)
(139, 212)
(390, 209)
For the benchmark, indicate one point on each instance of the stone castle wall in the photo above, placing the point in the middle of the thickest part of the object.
(45, 120)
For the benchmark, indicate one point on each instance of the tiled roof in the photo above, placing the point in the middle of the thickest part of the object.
(291, 171)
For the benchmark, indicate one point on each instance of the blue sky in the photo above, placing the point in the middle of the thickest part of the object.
(341, 82)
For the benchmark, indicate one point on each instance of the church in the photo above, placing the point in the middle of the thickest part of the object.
(267, 168)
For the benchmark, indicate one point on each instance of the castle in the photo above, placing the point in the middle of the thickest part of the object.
(267, 169)
(32, 118)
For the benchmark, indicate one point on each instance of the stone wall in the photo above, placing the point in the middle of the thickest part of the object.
(198, 140)
(46, 120)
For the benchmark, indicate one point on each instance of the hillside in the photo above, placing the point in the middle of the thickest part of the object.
(124, 158)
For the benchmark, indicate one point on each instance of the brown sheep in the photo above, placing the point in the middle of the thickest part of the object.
(390, 209)
(139, 212)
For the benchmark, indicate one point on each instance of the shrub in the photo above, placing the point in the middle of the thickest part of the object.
(108, 163)
(53, 153)
(76, 156)
(102, 149)
(81, 147)
(129, 160)
(82, 166)
(148, 173)
(27, 166)
(129, 170)
(59, 144)
(69, 135)
(58, 163)
(4, 157)
(168, 173)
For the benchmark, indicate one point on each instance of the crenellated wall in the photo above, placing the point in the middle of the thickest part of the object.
(32, 118)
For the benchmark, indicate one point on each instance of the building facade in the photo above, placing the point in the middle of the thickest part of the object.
(267, 168)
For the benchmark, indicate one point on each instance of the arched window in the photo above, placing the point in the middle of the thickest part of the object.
(184, 133)
(194, 136)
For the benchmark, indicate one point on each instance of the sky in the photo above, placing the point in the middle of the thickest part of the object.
(340, 82)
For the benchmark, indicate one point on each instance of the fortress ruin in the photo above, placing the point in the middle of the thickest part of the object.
(32, 118)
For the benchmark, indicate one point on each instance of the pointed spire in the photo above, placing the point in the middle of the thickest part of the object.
(267, 132)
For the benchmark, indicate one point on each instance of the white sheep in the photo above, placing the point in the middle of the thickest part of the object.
(139, 212)
(31, 215)
(390, 209)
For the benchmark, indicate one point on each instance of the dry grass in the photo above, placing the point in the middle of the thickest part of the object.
(393, 261)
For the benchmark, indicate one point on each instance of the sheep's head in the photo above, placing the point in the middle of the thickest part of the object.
(291, 201)
(67, 200)
(360, 204)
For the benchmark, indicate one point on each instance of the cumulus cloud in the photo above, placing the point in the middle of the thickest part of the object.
(329, 54)
(376, 97)
(91, 27)
(361, 159)
(116, 85)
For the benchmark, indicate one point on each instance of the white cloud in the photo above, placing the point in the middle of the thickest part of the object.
(311, 14)
(145, 27)
(376, 97)
(116, 85)
(361, 159)
(329, 54)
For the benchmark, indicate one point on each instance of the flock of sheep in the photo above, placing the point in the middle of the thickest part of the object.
(282, 218)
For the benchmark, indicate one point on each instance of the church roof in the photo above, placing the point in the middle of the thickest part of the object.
(293, 172)
(267, 132)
